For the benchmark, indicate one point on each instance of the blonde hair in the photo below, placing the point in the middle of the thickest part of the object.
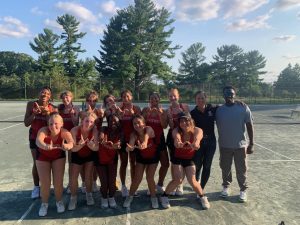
(56, 116)
(90, 114)
(67, 93)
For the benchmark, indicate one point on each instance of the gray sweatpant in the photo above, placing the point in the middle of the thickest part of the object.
(240, 160)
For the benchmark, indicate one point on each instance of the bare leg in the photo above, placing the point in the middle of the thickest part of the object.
(139, 171)
(190, 172)
(58, 170)
(44, 172)
(164, 162)
(35, 175)
(150, 171)
(74, 178)
(123, 166)
(177, 179)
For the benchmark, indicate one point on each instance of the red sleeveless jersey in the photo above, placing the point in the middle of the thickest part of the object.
(126, 123)
(39, 122)
(154, 122)
(107, 154)
(175, 116)
(85, 151)
(67, 118)
(52, 154)
(185, 152)
(150, 151)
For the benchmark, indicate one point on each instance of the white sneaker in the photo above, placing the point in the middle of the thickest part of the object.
(179, 190)
(160, 189)
(89, 198)
(104, 203)
(83, 189)
(35, 192)
(204, 202)
(225, 192)
(154, 203)
(43, 209)
(127, 201)
(95, 188)
(164, 200)
(72, 203)
(243, 196)
(60, 206)
(124, 191)
(112, 202)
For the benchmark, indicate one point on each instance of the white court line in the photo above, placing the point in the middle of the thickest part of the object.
(11, 118)
(273, 151)
(27, 212)
(11, 126)
(128, 216)
(274, 160)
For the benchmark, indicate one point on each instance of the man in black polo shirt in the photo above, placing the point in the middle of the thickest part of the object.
(204, 117)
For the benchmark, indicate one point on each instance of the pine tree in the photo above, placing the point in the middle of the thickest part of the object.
(71, 46)
(135, 45)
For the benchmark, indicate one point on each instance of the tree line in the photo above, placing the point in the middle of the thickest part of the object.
(132, 55)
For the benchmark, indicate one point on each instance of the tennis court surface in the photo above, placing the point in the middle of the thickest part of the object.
(273, 195)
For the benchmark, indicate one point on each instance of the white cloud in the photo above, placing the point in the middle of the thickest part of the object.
(12, 27)
(36, 11)
(193, 11)
(291, 57)
(97, 29)
(287, 4)
(77, 10)
(168, 4)
(52, 24)
(298, 15)
(259, 22)
(238, 8)
(284, 38)
(109, 7)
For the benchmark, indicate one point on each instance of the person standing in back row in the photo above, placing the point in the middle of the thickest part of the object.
(36, 116)
(232, 118)
(204, 115)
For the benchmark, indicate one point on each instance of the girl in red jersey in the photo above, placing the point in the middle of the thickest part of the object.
(91, 100)
(128, 111)
(85, 138)
(110, 106)
(70, 115)
(52, 142)
(68, 111)
(90, 106)
(36, 116)
(187, 139)
(142, 140)
(107, 160)
(174, 109)
(156, 118)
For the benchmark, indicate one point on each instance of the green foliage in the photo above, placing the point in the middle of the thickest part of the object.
(12, 63)
(45, 46)
(135, 45)
(288, 82)
(193, 70)
(71, 46)
(235, 67)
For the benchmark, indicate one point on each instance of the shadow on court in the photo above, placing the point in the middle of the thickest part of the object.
(21, 202)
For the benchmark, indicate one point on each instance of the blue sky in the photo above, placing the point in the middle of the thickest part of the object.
(269, 26)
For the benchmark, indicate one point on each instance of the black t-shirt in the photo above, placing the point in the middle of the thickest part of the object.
(205, 120)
